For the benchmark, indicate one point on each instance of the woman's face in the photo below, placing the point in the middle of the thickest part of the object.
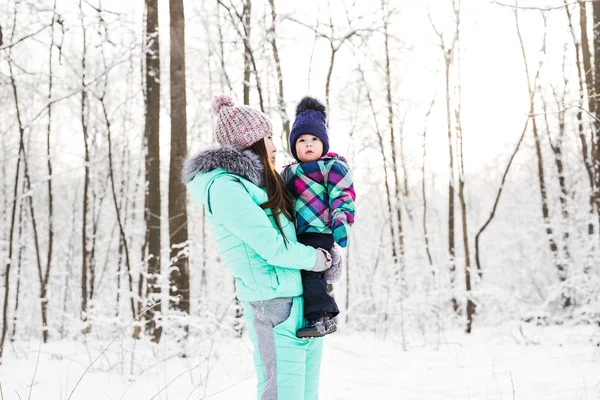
(271, 150)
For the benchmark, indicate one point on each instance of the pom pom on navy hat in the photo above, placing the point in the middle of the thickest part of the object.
(311, 119)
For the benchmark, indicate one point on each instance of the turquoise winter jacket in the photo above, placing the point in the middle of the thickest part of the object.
(228, 183)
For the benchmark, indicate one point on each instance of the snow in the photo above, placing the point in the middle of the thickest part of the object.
(565, 365)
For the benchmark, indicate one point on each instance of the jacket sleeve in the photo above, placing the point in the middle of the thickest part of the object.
(341, 201)
(234, 208)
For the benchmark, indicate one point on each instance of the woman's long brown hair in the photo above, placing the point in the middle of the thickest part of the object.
(279, 198)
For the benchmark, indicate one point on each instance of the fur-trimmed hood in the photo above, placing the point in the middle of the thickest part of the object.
(244, 163)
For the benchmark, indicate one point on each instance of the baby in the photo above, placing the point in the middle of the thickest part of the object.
(321, 186)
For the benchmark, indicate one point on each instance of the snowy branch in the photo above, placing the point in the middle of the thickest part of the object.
(21, 39)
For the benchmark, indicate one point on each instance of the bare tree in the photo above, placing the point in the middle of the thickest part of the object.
(596, 100)
(9, 260)
(532, 84)
(28, 189)
(424, 186)
(399, 272)
(22, 156)
(381, 145)
(85, 255)
(44, 282)
(152, 140)
(390, 120)
(335, 41)
(593, 102)
(540, 164)
(223, 75)
(585, 152)
(123, 243)
(247, 24)
(243, 18)
(22, 245)
(285, 119)
(448, 54)
(557, 149)
(178, 219)
(461, 176)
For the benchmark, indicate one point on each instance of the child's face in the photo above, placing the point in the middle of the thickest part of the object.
(309, 148)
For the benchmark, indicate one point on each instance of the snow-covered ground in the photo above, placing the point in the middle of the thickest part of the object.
(510, 362)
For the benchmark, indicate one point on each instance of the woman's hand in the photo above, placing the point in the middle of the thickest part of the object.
(324, 261)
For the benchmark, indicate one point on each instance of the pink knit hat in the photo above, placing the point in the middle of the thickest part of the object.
(239, 126)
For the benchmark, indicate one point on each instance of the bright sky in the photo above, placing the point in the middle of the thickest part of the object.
(494, 90)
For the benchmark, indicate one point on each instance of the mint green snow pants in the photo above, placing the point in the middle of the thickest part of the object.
(287, 368)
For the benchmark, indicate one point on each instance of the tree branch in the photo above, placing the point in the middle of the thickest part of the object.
(9, 45)
(533, 8)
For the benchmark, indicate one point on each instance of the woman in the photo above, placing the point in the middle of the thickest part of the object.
(249, 211)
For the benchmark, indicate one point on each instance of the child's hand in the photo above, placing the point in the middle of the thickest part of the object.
(334, 273)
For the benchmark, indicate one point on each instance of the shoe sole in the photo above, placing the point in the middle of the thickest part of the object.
(307, 335)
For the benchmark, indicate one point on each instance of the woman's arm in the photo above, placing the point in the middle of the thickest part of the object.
(233, 207)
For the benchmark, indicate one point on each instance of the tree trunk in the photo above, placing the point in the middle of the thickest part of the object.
(390, 109)
(381, 144)
(28, 189)
(596, 100)
(328, 81)
(462, 181)
(558, 161)
(540, 164)
(123, 245)
(223, 75)
(592, 101)
(451, 247)
(178, 228)
(246, 21)
(49, 161)
(285, 119)
(238, 322)
(22, 246)
(203, 283)
(347, 272)
(153, 193)
(448, 55)
(400, 267)
(580, 123)
(424, 188)
(86, 184)
(9, 260)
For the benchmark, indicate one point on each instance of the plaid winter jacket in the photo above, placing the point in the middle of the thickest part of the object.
(324, 196)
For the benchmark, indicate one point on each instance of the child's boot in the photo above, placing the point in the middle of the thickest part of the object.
(318, 327)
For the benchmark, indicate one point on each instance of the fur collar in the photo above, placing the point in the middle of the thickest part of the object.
(239, 162)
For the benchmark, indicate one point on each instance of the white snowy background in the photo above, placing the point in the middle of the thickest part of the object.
(398, 336)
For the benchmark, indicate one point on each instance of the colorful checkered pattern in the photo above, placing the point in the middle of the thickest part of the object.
(324, 196)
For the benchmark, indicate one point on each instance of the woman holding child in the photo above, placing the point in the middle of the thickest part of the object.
(251, 217)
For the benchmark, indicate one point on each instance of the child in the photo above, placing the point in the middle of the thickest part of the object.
(323, 192)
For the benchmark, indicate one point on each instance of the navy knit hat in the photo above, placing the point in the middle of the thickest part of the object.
(310, 120)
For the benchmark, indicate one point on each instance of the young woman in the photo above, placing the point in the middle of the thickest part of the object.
(249, 211)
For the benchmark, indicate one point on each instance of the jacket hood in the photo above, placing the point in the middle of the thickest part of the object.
(244, 163)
